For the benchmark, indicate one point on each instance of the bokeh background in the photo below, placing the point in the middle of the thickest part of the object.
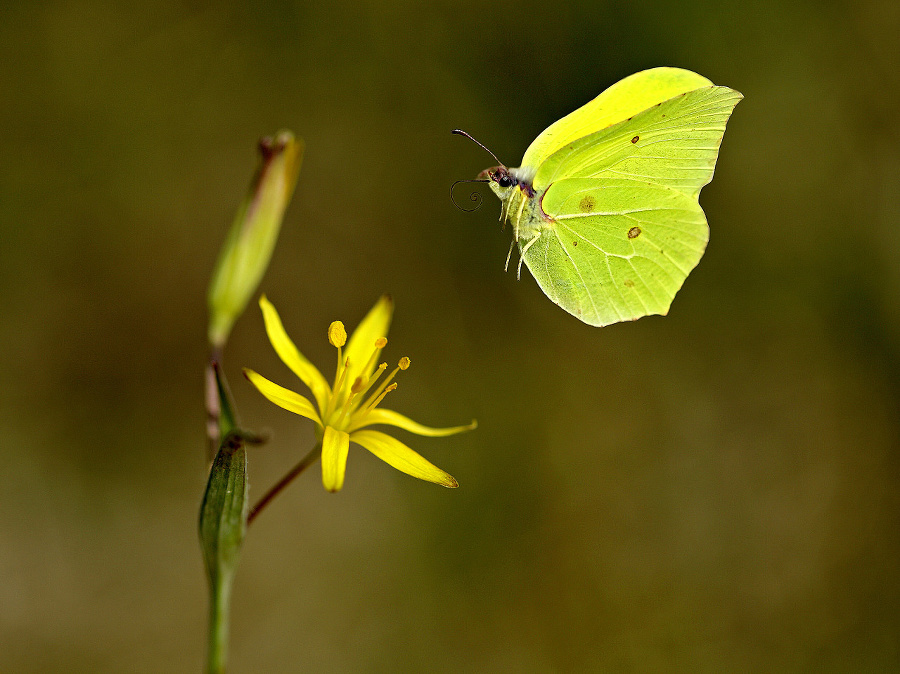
(716, 490)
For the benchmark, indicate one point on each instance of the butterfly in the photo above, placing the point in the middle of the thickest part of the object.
(604, 207)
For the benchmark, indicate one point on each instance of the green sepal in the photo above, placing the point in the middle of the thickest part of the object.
(223, 523)
(223, 515)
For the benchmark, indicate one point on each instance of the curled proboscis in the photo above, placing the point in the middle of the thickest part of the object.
(474, 196)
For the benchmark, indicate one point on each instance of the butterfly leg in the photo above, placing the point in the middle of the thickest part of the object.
(528, 245)
(512, 243)
(509, 255)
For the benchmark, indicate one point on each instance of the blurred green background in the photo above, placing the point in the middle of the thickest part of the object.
(711, 491)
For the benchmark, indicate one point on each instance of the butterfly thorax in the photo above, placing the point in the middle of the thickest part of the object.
(513, 186)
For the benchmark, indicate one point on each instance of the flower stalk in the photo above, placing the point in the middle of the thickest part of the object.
(242, 262)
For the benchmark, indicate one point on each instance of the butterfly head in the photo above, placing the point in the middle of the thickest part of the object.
(504, 180)
(499, 179)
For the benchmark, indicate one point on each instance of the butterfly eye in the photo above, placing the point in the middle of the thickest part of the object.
(503, 179)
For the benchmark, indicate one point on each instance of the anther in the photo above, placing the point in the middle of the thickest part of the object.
(380, 343)
(337, 336)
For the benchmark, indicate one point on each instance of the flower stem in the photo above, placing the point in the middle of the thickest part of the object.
(305, 463)
(219, 604)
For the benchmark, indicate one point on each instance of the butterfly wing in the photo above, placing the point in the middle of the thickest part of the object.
(674, 143)
(622, 100)
(625, 227)
(617, 251)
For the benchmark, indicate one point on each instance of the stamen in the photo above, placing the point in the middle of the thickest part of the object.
(337, 336)
(371, 380)
(357, 389)
(340, 381)
(338, 384)
(371, 407)
(354, 389)
(338, 373)
(380, 343)
(381, 388)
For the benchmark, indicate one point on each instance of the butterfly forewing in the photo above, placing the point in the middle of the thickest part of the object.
(674, 143)
(622, 100)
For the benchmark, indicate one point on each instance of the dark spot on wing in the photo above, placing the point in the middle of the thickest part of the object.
(634, 232)
(574, 243)
(635, 139)
(586, 204)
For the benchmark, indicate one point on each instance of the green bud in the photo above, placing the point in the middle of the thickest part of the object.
(248, 248)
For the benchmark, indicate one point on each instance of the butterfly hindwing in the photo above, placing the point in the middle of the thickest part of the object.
(616, 251)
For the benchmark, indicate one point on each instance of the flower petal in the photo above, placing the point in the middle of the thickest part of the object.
(291, 356)
(335, 445)
(362, 342)
(395, 453)
(292, 402)
(392, 418)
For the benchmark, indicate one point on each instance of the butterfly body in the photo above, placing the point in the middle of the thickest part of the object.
(605, 208)
(521, 204)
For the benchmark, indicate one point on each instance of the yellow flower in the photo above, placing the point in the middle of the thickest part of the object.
(343, 411)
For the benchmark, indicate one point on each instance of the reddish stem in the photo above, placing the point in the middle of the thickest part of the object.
(305, 463)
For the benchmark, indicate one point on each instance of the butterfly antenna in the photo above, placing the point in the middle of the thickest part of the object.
(474, 196)
(460, 132)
